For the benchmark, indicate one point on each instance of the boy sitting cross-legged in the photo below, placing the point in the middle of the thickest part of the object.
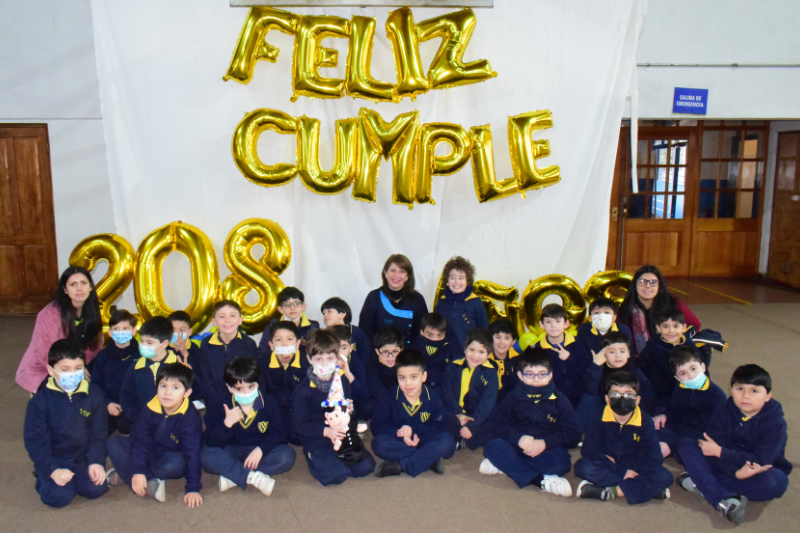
(408, 425)
(535, 426)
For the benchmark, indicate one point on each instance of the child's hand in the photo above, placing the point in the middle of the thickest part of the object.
(536, 447)
(345, 367)
(525, 442)
(630, 474)
(97, 474)
(413, 442)
(665, 451)
(114, 409)
(466, 433)
(185, 360)
(611, 459)
(62, 476)
(253, 459)
(139, 484)
(599, 357)
(659, 421)
(709, 447)
(334, 433)
(405, 431)
(563, 354)
(193, 499)
(232, 416)
(464, 419)
(751, 469)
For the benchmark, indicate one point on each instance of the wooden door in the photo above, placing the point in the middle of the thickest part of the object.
(784, 242)
(28, 261)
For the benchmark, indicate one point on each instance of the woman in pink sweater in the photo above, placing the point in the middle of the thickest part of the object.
(73, 314)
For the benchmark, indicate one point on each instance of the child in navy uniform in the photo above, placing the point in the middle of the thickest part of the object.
(654, 359)
(336, 312)
(111, 365)
(437, 349)
(354, 372)
(181, 341)
(381, 375)
(535, 426)
(408, 426)
(694, 402)
(470, 392)
(569, 359)
(165, 442)
(603, 315)
(292, 306)
(308, 415)
(245, 438)
(66, 428)
(620, 453)
(503, 355)
(139, 384)
(459, 305)
(283, 368)
(741, 454)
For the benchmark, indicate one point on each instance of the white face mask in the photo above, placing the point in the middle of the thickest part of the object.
(324, 371)
(284, 350)
(602, 322)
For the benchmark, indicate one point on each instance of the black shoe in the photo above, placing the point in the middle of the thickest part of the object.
(388, 468)
(663, 495)
(587, 490)
(733, 509)
(438, 466)
(685, 482)
(461, 444)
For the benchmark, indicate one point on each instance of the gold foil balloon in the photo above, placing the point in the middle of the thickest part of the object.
(516, 315)
(430, 164)
(563, 286)
(525, 151)
(404, 36)
(397, 140)
(487, 188)
(447, 68)
(345, 163)
(603, 283)
(245, 147)
(148, 284)
(360, 82)
(251, 274)
(120, 257)
(310, 56)
(489, 292)
(252, 44)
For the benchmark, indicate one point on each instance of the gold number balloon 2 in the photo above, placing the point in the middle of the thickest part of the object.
(259, 275)
(245, 147)
(310, 56)
(252, 44)
(120, 257)
(148, 284)
(563, 286)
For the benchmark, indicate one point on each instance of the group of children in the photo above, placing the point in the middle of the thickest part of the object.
(458, 384)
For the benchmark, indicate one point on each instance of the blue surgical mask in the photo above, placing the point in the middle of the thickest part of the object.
(174, 338)
(122, 336)
(246, 399)
(695, 383)
(148, 352)
(69, 381)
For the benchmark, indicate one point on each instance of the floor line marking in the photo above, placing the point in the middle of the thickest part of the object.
(720, 293)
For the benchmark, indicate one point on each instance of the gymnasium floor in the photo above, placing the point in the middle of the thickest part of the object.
(761, 323)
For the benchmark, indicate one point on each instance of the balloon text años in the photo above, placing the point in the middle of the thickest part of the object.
(361, 142)
(446, 70)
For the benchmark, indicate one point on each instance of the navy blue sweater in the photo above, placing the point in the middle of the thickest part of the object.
(463, 312)
(281, 382)
(538, 412)
(760, 439)
(380, 377)
(592, 340)
(157, 432)
(425, 418)
(308, 415)
(654, 362)
(568, 375)
(633, 446)
(61, 427)
(214, 355)
(263, 427)
(595, 377)
(437, 354)
(139, 384)
(110, 366)
(362, 347)
(379, 312)
(690, 410)
(506, 372)
(472, 392)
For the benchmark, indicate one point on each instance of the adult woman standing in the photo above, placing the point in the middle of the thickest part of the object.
(395, 303)
(647, 296)
(73, 314)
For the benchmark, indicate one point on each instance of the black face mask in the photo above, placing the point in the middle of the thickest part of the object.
(622, 406)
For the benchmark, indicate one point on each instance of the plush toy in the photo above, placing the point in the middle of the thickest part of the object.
(337, 415)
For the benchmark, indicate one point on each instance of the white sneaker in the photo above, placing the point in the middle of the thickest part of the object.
(225, 484)
(261, 481)
(557, 485)
(156, 488)
(489, 469)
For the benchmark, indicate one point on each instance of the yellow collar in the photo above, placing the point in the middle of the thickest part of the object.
(155, 406)
(304, 321)
(274, 363)
(512, 353)
(169, 359)
(704, 387)
(568, 339)
(215, 340)
(613, 328)
(635, 420)
(463, 362)
(83, 386)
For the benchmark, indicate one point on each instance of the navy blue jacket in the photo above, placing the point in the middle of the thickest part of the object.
(759, 439)
(463, 312)
(214, 355)
(110, 366)
(263, 427)
(61, 428)
(305, 328)
(633, 446)
(595, 377)
(690, 410)
(378, 312)
(380, 377)
(157, 432)
(308, 415)
(139, 384)
(568, 375)
(393, 411)
(437, 354)
(654, 362)
(362, 347)
(592, 340)
(538, 412)
(478, 398)
(281, 382)
(506, 373)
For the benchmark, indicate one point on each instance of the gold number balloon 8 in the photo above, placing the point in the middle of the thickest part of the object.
(260, 275)
(148, 285)
(120, 257)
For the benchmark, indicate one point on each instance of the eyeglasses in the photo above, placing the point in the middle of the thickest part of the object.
(644, 282)
(533, 375)
(292, 305)
(617, 395)
(391, 354)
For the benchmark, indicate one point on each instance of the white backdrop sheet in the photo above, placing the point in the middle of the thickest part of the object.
(169, 120)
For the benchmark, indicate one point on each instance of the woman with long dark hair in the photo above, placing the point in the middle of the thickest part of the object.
(395, 303)
(73, 314)
(647, 296)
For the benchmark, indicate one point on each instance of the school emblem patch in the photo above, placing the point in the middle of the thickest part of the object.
(262, 426)
(431, 349)
(424, 416)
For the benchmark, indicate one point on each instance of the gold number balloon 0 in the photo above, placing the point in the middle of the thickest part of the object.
(148, 285)
(563, 286)
(602, 284)
(260, 275)
(120, 257)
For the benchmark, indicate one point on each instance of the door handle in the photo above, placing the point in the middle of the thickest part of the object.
(614, 213)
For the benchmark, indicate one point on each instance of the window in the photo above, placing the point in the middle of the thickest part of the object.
(661, 176)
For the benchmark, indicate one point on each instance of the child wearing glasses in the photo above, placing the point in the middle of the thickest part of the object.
(381, 375)
(654, 359)
(535, 425)
(621, 456)
(292, 306)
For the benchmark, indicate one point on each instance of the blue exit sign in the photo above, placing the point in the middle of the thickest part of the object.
(693, 101)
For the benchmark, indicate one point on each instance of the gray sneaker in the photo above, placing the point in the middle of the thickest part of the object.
(156, 489)
(685, 482)
(733, 509)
